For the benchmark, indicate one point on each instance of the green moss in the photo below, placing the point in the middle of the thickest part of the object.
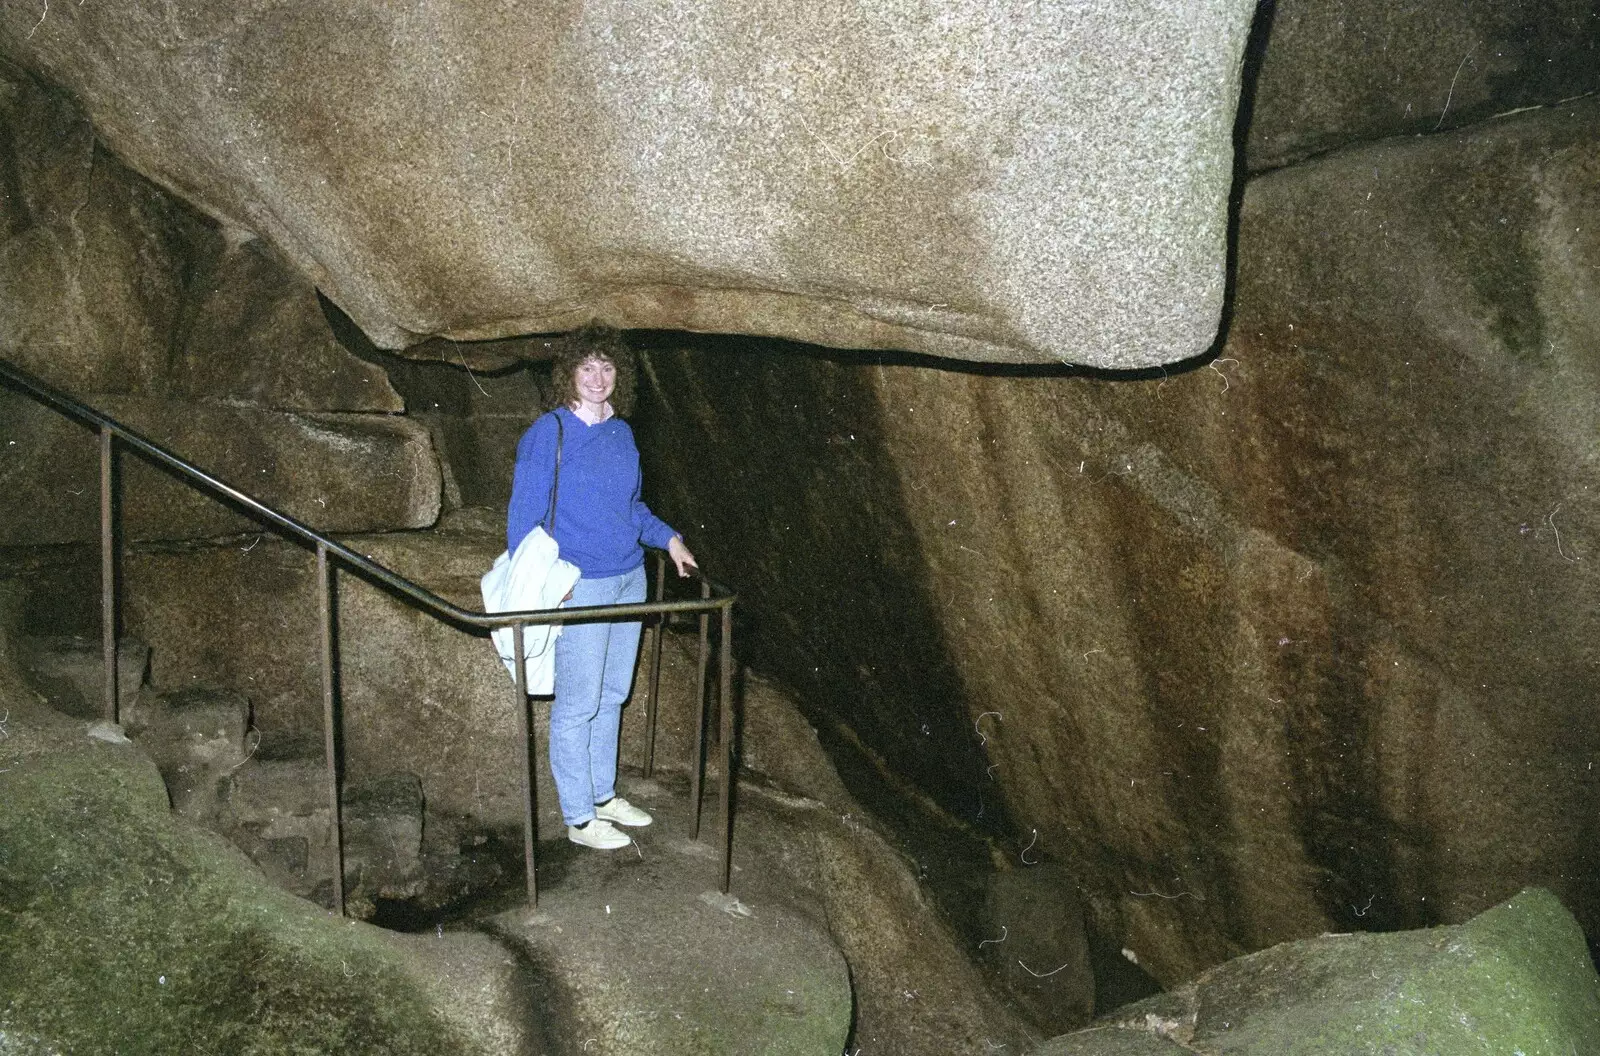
(1517, 977)
(123, 930)
(1515, 980)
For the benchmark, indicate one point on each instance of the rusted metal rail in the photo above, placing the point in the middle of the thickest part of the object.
(714, 597)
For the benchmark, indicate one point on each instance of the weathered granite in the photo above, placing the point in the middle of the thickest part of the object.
(91, 254)
(1042, 185)
(253, 332)
(1036, 947)
(645, 957)
(1516, 978)
(1333, 75)
(196, 738)
(475, 418)
(420, 696)
(334, 472)
(915, 983)
(277, 812)
(437, 701)
(1302, 640)
(69, 672)
(108, 285)
(126, 929)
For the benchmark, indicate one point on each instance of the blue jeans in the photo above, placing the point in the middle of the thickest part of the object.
(594, 674)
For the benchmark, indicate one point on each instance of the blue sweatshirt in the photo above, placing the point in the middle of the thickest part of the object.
(600, 519)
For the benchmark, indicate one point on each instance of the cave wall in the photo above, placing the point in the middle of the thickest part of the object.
(210, 344)
(1360, 70)
(1298, 640)
(117, 293)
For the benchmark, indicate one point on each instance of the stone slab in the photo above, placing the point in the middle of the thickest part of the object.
(333, 472)
(649, 958)
(1045, 185)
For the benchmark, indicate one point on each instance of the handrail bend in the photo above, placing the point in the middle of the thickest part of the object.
(714, 597)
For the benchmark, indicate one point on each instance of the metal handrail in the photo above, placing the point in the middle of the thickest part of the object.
(714, 597)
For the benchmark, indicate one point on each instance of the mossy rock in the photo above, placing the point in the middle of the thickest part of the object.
(1514, 981)
(124, 929)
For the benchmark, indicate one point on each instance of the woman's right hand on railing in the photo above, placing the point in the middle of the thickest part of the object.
(681, 557)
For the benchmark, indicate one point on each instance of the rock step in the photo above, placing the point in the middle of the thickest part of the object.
(276, 811)
(68, 671)
(197, 737)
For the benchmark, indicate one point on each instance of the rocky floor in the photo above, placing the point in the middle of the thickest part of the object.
(824, 943)
(638, 947)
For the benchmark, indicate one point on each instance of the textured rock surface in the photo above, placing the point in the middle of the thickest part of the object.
(1301, 641)
(335, 472)
(276, 811)
(69, 672)
(1036, 945)
(475, 419)
(1337, 74)
(1516, 978)
(107, 285)
(196, 738)
(805, 854)
(90, 254)
(119, 295)
(419, 696)
(646, 957)
(253, 332)
(124, 929)
(1028, 184)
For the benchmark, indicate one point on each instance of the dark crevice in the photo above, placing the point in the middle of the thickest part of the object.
(804, 500)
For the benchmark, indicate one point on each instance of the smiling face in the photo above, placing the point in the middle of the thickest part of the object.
(593, 380)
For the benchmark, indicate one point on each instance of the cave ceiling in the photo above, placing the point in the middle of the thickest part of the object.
(1014, 185)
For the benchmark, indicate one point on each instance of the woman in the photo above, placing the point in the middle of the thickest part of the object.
(599, 524)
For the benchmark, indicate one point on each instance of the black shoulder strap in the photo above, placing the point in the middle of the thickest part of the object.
(555, 481)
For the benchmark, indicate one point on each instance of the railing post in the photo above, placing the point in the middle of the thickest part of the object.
(697, 772)
(726, 698)
(650, 703)
(108, 569)
(530, 817)
(114, 437)
(330, 740)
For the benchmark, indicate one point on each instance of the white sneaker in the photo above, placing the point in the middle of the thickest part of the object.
(620, 811)
(599, 834)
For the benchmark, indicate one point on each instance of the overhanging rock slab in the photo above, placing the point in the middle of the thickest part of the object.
(1008, 183)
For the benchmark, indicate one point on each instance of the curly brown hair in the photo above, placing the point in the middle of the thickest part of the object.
(592, 342)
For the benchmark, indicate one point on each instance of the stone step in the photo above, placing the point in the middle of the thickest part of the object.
(383, 821)
(197, 737)
(276, 811)
(69, 672)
